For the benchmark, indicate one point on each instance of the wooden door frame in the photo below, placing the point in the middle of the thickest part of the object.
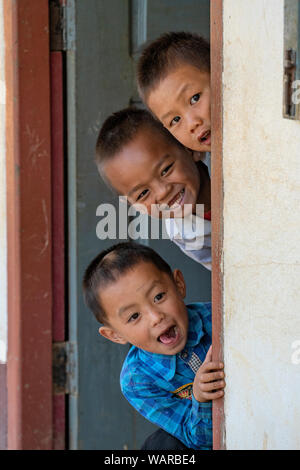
(29, 272)
(217, 191)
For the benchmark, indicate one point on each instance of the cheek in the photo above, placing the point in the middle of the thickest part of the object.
(188, 175)
(193, 185)
(207, 106)
(182, 135)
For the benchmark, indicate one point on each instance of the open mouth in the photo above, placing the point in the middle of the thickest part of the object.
(205, 138)
(177, 200)
(169, 336)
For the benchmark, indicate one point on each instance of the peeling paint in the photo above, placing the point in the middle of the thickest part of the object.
(46, 235)
(36, 150)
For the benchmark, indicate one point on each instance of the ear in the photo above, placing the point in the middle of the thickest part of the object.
(108, 333)
(180, 282)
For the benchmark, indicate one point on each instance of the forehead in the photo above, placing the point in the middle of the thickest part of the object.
(132, 286)
(134, 162)
(178, 81)
(140, 276)
(183, 74)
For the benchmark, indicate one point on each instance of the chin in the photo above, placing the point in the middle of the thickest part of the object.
(197, 147)
(207, 148)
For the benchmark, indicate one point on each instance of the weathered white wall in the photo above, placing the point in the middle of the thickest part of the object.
(3, 276)
(261, 233)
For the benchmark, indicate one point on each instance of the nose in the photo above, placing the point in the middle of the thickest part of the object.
(193, 121)
(155, 317)
(161, 192)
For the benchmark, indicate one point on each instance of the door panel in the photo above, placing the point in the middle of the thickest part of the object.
(100, 80)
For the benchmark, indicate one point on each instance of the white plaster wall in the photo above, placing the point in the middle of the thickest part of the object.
(261, 233)
(3, 271)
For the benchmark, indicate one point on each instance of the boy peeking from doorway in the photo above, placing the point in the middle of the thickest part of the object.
(173, 77)
(162, 165)
(157, 175)
(168, 374)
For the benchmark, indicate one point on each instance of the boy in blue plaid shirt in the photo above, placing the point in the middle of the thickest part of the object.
(168, 374)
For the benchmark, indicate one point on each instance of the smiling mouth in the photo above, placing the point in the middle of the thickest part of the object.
(177, 200)
(169, 336)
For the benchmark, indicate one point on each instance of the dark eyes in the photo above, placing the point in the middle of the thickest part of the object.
(195, 98)
(143, 193)
(133, 317)
(175, 120)
(136, 315)
(163, 173)
(159, 296)
(165, 170)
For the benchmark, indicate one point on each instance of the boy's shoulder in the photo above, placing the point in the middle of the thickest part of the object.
(142, 366)
(200, 318)
(202, 309)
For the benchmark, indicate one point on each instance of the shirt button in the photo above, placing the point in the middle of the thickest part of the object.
(184, 355)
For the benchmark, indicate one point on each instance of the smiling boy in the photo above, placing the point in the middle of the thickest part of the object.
(173, 78)
(141, 160)
(168, 374)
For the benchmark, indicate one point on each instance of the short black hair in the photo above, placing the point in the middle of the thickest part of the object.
(165, 53)
(120, 128)
(110, 265)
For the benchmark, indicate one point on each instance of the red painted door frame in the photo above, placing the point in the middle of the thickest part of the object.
(28, 159)
(216, 37)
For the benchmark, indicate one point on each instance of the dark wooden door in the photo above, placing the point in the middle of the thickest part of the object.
(104, 36)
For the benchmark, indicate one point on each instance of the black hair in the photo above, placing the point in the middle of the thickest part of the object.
(110, 265)
(120, 128)
(165, 53)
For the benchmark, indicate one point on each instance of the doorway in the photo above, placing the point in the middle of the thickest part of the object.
(100, 70)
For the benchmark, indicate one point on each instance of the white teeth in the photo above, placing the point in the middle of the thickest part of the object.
(205, 135)
(178, 199)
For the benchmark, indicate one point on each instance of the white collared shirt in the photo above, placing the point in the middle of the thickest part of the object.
(193, 236)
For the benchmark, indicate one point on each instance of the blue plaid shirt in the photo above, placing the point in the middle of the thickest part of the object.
(160, 386)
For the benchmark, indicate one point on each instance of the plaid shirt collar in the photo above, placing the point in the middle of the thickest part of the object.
(165, 365)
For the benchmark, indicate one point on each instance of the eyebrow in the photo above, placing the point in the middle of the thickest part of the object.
(123, 309)
(153, 284)
(141, 185)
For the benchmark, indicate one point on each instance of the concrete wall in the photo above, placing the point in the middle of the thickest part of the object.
(3, 276)
(261, 233)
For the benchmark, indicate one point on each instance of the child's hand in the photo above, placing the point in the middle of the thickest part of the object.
(209, 380)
